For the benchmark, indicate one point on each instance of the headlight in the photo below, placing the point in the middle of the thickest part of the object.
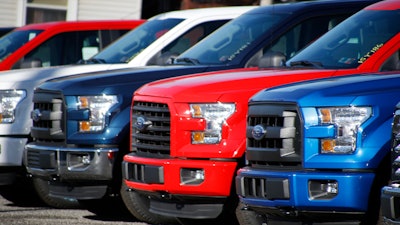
(347, 120)
(9, 100)
(98, 108)
(214, 115)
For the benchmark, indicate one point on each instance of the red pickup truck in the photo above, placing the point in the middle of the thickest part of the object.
(189, 133)
(59, 43)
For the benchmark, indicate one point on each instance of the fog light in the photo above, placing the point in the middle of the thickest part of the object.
(323, 189)
(78, 160)
(192, 176)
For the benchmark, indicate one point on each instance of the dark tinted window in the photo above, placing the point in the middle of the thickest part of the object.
(352, 42)
(62, 49)
(12, 41)
(186, 41)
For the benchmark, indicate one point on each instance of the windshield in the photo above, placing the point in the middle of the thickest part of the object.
(230, 40)
(350, 43)
(14, 40)
(132, 43)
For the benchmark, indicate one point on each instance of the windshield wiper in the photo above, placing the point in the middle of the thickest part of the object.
(306, 63)
(92, 61)
(188, 60)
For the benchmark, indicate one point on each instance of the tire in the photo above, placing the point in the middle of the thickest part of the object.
(41, 187)
(21, 193)
(138, 205)
(246, 216)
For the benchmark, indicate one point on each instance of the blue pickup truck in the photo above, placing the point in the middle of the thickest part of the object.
(81, 123)
(318, 150)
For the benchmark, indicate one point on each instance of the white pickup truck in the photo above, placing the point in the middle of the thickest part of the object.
(152, 43)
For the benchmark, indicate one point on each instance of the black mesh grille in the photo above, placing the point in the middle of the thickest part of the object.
(278, 143)
(151, 129)
(48, 117)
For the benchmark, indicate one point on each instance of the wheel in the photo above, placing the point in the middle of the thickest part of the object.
(247, 216)
(139, 205)
(41, 187)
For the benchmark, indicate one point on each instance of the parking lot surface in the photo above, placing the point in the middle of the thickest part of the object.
(18, 206)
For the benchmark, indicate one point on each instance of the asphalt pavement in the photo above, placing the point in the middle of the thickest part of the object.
(18, 205)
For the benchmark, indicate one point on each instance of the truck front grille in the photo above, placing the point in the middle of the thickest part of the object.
(48, 117)
(396, 147)
(273, 136)
(151, 129)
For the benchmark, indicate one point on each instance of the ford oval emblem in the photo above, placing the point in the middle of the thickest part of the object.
(258, 132)
(36, 115)
(142, 123)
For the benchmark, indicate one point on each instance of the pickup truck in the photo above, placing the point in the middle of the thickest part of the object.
(319, 151)
(177, 31)
(81, 157)
(188, 133)
(59, 43)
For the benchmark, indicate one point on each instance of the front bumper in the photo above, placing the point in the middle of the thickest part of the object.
(83, 173)
(164, 175)
(256, 189)
(170, 190)
(390, 204)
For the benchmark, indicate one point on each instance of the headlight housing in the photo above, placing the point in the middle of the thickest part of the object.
(99, 107)
(9, 100)
(347, 120)
(214, 114)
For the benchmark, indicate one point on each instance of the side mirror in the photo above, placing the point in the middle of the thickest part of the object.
(272, 59)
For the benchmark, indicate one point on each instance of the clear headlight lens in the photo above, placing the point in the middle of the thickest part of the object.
(347, 120)
(9, 100)
(214, 115)
(98, 107)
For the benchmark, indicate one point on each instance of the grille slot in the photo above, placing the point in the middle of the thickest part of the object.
(33, 159)
(136, 172)
(273, 136)
(151, 129)
(271, 188)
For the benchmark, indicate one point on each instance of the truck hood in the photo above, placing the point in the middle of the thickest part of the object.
(357, 90)
(23, 78)
(225, 85)
(117, 81)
